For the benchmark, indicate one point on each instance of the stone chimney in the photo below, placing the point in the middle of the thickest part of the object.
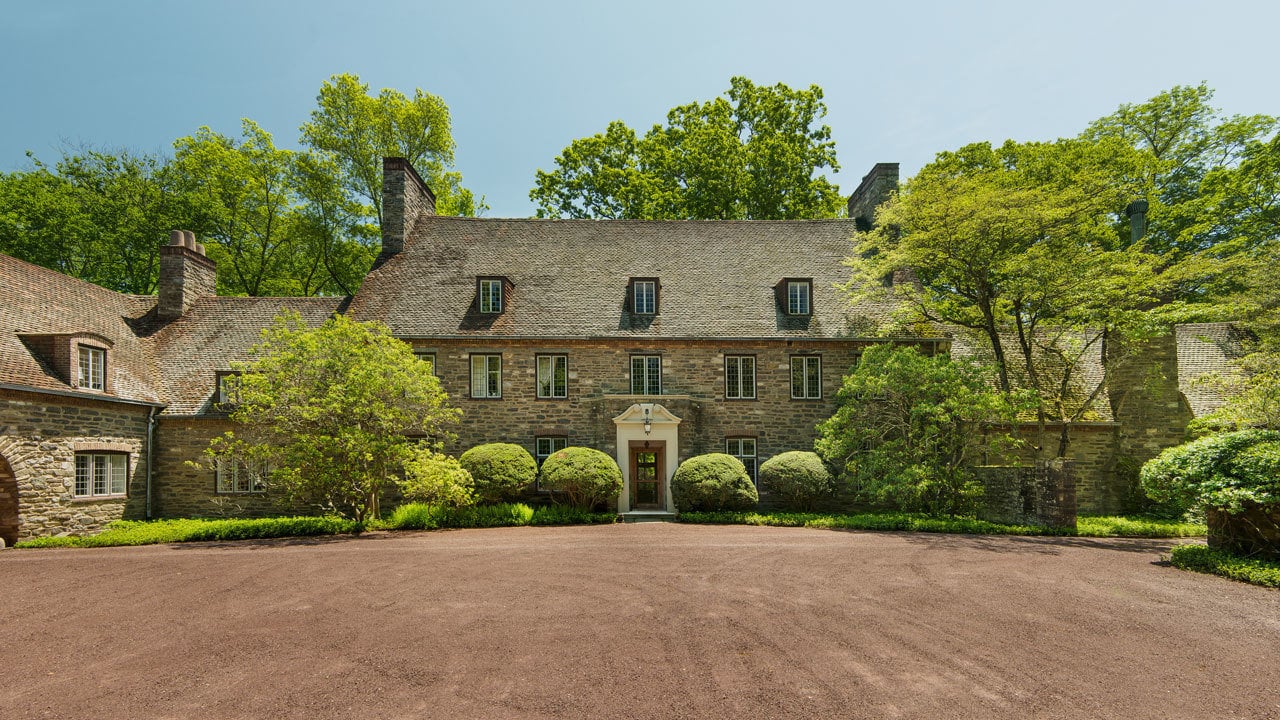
(186, 275)
(405, 198)
(876, 187)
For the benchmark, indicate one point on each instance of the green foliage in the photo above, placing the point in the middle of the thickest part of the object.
(132, 532)
(431, 477)
(800, 478)
(566, 515)
(714, 481)
(1253, 397)
(1206, 560)
(1149, 526)
(753, 154)
(1088, 526)
(330, 411)
(585, 476)
(1225, 471)
(500, 470)
(421, 516)
(904, 428)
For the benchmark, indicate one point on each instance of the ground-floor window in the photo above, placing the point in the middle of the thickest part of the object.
(238, 477)
(743, 448)
(101, 475)
(544, 446)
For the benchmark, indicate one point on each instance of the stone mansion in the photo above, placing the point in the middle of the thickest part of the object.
(651, 340)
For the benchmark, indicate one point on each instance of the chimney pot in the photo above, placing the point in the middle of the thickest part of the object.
(189, 239)
(176, 237)
(200, 248)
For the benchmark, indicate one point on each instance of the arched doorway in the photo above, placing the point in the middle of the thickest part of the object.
(8, 503)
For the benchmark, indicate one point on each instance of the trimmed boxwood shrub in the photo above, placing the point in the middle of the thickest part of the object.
(584, 476)
(500, 470)
(801, 479)
(714, 481)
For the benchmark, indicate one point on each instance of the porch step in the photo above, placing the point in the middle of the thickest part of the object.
(635, 516)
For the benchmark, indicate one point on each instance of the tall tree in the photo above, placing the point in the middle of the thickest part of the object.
(756, 153)
(355, 130)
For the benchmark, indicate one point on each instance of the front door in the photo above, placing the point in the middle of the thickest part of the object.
(646, 479)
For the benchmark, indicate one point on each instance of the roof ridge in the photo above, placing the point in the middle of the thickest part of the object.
(70, 279)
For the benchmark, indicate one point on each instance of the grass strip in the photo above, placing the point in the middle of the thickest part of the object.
(1086, 526)
(1201, 558)
(138, 532)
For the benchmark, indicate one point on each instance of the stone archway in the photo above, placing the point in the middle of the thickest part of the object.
(8, 503)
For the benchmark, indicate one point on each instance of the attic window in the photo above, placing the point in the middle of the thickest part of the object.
(644, 296)
(798, 292)
(490, 295)
(93, 362)
(228, 389)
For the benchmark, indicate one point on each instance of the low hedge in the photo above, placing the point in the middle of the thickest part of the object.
(1199, 558)
(1087, 526)
(713, 482)
(499, 471)
(422, 516)
(137, 532)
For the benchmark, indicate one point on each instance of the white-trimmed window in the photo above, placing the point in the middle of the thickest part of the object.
(644, 297)
(806, 377)
(486, 376)
(101, 474)
(237, 477)
(740, 377)
(646, 374)
(93, 364)
(491, 295)
(429, 357)
(544, 446)
(553, 376)
(798, 297)
(228, 389)
(743, 448)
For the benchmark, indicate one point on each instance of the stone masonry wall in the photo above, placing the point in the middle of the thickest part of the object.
(1039, 494)
(39, 437)
(1093, 452)
(181, 490)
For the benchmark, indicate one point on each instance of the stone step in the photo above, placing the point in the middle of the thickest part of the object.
(636, 516)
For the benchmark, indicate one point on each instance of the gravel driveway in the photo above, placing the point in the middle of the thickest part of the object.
(647, 621)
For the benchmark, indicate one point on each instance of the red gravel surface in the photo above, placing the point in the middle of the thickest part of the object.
(643, 621)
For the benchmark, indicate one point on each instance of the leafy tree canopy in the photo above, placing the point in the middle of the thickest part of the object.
(754, 154)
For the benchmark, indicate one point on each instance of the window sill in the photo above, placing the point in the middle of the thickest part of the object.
(98, 498)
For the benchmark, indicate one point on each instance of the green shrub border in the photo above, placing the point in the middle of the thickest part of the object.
(1087, 525)
(1203, 559)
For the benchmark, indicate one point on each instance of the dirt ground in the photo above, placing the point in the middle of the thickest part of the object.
(642, 621)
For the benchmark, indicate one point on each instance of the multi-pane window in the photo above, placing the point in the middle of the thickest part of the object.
(545, 446)
(238, 477)
(798, 297)
(429, 357)
(743, 448)
(228, 389)
(739, 377)
(92, 368)
(553, 376)
(101, 474)
(644, 300)
(646, 375)
(491, 296)
(486, 376)
(806, 377)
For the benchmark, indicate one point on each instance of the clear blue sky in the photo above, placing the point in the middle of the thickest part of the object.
(903, 80)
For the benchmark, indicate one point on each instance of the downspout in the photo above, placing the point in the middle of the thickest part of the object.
(151, 441)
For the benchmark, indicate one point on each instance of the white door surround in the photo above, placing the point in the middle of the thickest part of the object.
(663, 428)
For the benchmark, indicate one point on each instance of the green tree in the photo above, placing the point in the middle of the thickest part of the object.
(334, 413)
(754, 154)
(908, 425)
(355, 130)
(436, 478)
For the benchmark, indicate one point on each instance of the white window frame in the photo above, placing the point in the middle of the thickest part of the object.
(644, 388)
(546, 376)
(491, 296)
(489, 367)
(227, 394)
(650, 306)
(232, 477)
(737, 447)
(799, 301)
(101, 475)
(427, 357)
(544, 446)
(736, 388)
(91, 368)
(810, 373)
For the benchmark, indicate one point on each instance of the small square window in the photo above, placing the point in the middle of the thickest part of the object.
(553, 376)
(806, 377)
(428, 357)
(646, 375)
(798, 292)
(101, 475)
(644, 297)
(486, 376)
(235, 477)
(740, 377)
(491, 296)
(92, 373)
(743, 448)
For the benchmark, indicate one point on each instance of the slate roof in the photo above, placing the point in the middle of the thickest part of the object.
(1205, 349)
(569, 279)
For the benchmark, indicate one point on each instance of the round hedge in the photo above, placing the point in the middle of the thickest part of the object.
(801, 479)
(714, 481)
(500, 471)
(1229, 472)
(585, 476)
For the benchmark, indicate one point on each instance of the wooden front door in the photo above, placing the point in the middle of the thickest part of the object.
(646, 479)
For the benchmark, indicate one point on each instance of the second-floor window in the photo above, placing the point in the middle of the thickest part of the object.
(428, 357)
(486, 376)
(93, 363)
(644, 300)
(806, 377)
(491, 296)
(553, 376)
(739, 377)
(646, 375)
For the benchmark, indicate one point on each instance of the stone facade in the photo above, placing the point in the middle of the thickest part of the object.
(1040, 494)
(40, 436)
(191, 491)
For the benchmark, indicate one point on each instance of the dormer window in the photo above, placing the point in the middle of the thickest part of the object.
(798, 292)
(644, 296)
(491, 295)
(93, 363)
(228, 390)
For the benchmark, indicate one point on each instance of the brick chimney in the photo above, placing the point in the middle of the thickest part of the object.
(875, 188)
(186, 275)
(405, 198)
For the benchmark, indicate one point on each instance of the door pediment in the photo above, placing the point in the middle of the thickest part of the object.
(656, 414)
